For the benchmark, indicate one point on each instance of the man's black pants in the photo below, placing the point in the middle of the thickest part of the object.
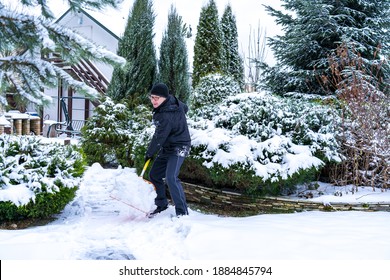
(168, 166)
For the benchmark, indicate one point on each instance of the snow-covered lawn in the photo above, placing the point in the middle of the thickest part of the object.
(98, 226)
(95, 226)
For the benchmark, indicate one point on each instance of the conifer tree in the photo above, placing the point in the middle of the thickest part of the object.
(136, 45)
(27, 39)
(312, 32)
(234, 65)
(173, 62)
(208, 50)
(117, 87)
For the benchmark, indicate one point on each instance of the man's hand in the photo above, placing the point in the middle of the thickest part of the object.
(147, 157)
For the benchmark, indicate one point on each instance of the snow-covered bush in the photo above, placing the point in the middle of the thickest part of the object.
(246, 141)
(114, 133)
(37, 179)
(365, 129)
(212, 89)
(256, 140)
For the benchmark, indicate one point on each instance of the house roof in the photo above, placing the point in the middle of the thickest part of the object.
(92, 18)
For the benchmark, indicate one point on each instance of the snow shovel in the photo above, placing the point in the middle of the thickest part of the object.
(143, 172)
(144, 169)
(141, 176)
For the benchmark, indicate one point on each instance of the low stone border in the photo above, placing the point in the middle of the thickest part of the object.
(236, 201)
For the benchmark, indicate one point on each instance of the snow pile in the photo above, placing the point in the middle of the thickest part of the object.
(122, 184)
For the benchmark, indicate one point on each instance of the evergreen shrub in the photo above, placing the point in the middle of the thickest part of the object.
(258, 142)
(114, 135)
(212, 89)
(43, 176)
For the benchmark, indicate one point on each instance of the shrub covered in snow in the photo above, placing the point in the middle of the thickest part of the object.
(253, 141)
(245, 141)
(212, 89)
(114, 134)
(365, 129)
(37, 180)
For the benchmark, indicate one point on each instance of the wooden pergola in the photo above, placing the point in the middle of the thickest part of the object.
(84, 71)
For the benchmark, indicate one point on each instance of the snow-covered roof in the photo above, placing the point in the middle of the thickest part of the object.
(4, 121)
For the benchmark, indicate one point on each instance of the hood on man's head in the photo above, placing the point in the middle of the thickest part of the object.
(160, 89)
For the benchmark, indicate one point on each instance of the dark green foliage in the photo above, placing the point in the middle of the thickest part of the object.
(139, 151)
(50, 171)
(286, 186)
(313, 30)
(44, 205)
(173, 63)
(137, 47)
(194, 171)
(79, 166)
(237, 176)
(117, 87)
(8, 211)
(288, 140)
(105, 137)
(241, 177)
(211, 90)
(208, 49)
(234, 65)
(111, 134)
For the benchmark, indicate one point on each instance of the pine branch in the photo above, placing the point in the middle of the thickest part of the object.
(26, 40)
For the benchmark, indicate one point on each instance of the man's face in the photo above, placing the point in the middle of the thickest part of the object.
(156, 100)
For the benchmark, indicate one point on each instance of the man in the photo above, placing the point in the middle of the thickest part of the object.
(171, 141)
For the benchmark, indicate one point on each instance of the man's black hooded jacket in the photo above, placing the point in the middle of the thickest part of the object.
(171, 132)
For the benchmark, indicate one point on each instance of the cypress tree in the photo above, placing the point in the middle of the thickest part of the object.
(116, 89)
(234, 65)
(208, 50)
(313, 30)
(173, 62)
(135, 80)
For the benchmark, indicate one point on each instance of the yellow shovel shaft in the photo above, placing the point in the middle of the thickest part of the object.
(145, 167)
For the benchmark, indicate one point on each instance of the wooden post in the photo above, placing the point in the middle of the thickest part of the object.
(35, 124)
(18, 126)
(26, 126)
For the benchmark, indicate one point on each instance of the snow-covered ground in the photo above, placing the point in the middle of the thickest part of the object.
(96, 225)
(106, 221)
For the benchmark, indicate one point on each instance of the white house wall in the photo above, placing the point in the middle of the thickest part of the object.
(50, 113)
(90, 29)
